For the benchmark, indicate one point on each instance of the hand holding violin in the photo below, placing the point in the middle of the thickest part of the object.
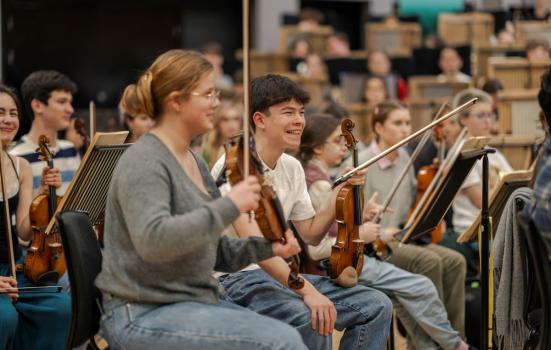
(246, 194)
(50, 177)
(8, 283)
(288, 247)
(358, 179)
(369, 231)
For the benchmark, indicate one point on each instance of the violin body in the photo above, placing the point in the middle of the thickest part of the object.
(425, 176)
(269, 214)
(347, 254)
(45, 261)
(45, 253)
(348, 249)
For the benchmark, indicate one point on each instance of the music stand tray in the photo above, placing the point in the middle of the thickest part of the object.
(441, 198)
(508, 182)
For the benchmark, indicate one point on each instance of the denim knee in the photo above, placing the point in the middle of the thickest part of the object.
(382, 307)
(285, 336)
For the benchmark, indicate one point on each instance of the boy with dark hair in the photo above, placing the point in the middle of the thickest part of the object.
(321, 305)
(47, 97)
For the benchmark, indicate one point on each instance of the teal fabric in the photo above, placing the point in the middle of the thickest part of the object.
(428, 11)
(36, 320)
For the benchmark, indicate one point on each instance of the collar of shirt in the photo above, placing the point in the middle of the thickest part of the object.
(383, 162)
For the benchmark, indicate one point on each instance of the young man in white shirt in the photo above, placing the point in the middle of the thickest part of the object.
(321, 305)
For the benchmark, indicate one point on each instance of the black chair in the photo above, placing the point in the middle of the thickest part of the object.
(538, 314)
(83, 258)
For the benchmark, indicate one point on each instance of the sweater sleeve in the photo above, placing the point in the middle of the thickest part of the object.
(144, 200)
(233, 254)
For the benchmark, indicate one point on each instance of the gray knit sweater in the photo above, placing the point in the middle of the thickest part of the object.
(162, 233)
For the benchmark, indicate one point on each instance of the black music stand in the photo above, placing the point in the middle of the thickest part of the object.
(438, 204)
(507, 184)
(441, 198)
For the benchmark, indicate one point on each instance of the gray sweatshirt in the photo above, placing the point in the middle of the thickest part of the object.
(162, 233)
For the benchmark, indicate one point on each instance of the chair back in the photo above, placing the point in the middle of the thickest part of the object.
(539, 313)
(83, 258)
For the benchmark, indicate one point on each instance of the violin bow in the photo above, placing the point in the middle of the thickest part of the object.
(7, 217)
(349, 174)
(92, 111)
(246, 86)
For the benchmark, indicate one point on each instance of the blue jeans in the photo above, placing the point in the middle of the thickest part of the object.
(416, 302)
(192, 326)
(362, 312)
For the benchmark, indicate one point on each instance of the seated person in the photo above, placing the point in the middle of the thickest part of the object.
(38, 320)
(160, 251)
(493, 87)
(337, 45)
(446, 268)
(322, 147)
(537, 50)
(539, 209)
(374, 91)
(478, 120)
(379, 65)
(313, 67)
(309, 19)
(214, 53)
(300, 48)
(451, 63)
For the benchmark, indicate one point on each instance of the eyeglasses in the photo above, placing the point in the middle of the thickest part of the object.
(210, 96)
(481, 116)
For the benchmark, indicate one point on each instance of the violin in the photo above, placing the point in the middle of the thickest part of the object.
(347, 253)
(269, 215)
(45, 261)
(425, 176)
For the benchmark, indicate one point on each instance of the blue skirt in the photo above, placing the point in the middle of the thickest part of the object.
(36, 321)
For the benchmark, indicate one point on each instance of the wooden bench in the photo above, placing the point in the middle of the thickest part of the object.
(474, 28)
(517, 73)
(396, 39)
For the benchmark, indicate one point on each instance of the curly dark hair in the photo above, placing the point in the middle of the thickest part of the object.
(40, 84)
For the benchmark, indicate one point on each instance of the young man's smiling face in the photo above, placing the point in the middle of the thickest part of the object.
(283, 124)
(57, 112)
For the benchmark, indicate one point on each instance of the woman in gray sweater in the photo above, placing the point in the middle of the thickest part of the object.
(164, 218)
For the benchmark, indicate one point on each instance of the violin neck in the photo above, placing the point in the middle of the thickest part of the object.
(52, 200)
(357, 192)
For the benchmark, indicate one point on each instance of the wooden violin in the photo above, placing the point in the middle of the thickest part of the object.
(269, 214)
(425, 177)
(45, 261)
(347, 253)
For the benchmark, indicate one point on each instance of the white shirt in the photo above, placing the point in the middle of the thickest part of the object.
(464, 211)
(288, 181)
